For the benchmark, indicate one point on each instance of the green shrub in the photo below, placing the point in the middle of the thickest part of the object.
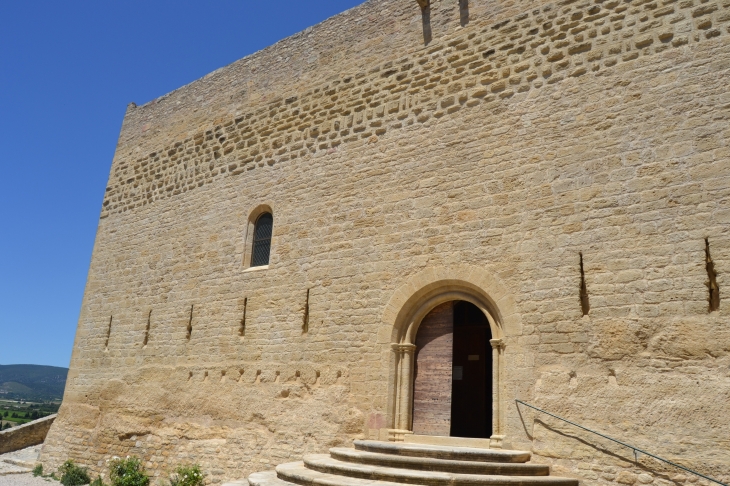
(187, 476)
(97, 482)
(128, 472)
(73, 475)
(38, 470)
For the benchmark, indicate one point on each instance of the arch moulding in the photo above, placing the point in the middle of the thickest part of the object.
(411, 302)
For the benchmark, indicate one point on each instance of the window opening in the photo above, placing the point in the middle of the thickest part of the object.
(585, 305)
(262, 240)
(190, 323)
(242, 328)
(147, 330)
(108, 334)
(305, 324)
(712, 276)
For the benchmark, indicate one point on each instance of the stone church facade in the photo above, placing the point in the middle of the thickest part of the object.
(404, 219)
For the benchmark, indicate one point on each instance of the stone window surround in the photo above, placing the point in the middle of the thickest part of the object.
(410, 304)
(248, 237)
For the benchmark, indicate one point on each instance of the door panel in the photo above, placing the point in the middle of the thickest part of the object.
(432, 381)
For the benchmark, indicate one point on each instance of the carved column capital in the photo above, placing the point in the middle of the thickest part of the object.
(497, 344)
(405, 348)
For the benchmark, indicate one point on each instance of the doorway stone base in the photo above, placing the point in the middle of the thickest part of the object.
(407, 436)
(447, 441)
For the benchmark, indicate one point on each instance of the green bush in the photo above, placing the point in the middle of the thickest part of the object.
(73, 475)
(128, 472)
(187, 476)
(97, 482)
(38, 470)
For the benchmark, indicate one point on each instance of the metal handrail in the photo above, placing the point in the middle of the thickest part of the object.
(635, 449)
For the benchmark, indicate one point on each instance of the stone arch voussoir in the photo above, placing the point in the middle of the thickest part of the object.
(432, 286)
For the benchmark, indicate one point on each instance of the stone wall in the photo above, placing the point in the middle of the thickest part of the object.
(503, 138)
(26, 435)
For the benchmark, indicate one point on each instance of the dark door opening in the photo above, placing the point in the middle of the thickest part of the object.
(471, 389)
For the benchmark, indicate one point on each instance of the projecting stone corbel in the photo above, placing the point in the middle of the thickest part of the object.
(423, 3)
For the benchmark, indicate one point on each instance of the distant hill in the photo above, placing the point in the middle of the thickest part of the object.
(32, 382)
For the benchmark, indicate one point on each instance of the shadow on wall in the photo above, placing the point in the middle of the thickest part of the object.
(426, 20)
(582, 444)
(463, 12)
(426, 17)
(585, 444)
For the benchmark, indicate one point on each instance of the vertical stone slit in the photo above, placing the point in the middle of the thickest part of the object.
(712, 285)
(305, 323)
(190, 322)
(426, 21)
(463, 12)
(584, 304)
(147, 330)
(108, 333)
(242, 328)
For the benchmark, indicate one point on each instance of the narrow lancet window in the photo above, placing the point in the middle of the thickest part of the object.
(262, 240)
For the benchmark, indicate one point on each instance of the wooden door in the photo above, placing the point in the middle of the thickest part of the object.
(432, 373)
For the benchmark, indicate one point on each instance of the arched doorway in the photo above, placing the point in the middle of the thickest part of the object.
(411, 302)
(452, 386)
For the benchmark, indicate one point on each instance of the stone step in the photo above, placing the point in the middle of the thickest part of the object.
(442, 452)
(240, 482)
(442, 465)
(322, 463)
(310, 478)
(266, 478)
(20, 462)
(6, 469)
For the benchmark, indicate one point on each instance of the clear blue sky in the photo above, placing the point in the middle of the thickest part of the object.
(67, 72)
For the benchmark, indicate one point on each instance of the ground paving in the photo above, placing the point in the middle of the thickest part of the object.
(24, 479)
(19, 462)
(15, 468)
